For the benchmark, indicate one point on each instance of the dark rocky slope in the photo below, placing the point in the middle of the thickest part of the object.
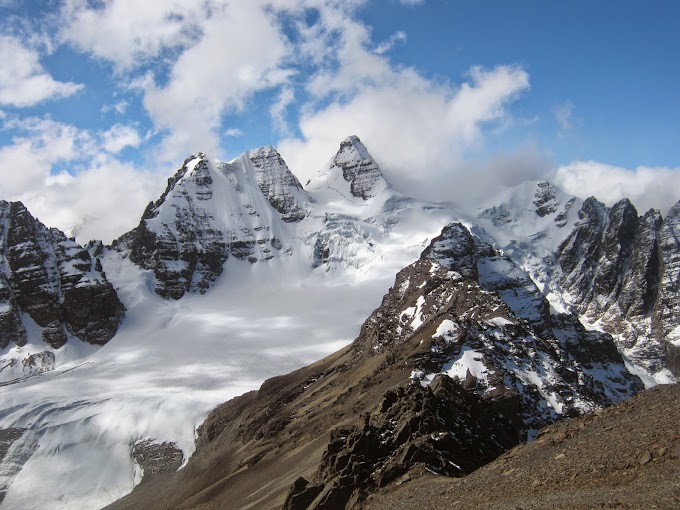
(331, 433)
(626, 457)
(623, 271)
(52, 280)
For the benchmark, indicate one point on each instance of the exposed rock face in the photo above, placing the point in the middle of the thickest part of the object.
(209, 212)
(156, 458)
(276, 182)
(443, 427)
(54, 281)
(666, 317)
(183, 247)
(474, 324)
(545, 199)
(358, 167)
(621, 270)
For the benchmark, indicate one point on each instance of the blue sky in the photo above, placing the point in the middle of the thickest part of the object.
(101, 101)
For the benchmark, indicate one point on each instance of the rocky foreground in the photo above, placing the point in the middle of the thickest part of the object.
(625, 456)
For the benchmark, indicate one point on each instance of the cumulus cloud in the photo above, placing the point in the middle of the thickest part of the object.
(190, 107)
(119, 137)
(646, 187)
(103, 200)
(129, 33)
(419, 131)
(38, 145)
(23, 80)
(88, 191)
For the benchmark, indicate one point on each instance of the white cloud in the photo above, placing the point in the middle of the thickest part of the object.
(418, 131)
(240, 53)
(234, 132)
(129, 33)
(100, 195)
(412, 2)
(119, 137)
(102, 201)
(23, 80)
(27, 161)
(278, 109)
(646, 187)
(385, 46)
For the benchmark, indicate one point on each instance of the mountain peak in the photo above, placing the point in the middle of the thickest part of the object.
(358, 168)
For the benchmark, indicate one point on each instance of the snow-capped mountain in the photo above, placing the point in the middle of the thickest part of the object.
(237, 273)
(211, 211)
(617, 270)
(461, 359)
(253, 208)
(51, 290)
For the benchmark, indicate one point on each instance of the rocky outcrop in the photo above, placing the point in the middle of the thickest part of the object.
(52, 280)
(621, 270)
(156, 458)
(210, 212)
(277, 183)
(545, 199)
(442, 427)
(358, 168)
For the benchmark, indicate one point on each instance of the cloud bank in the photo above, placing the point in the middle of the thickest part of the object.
(188, 70)
(646, 187)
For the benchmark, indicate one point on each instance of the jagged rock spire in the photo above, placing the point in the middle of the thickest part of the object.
(358, 168)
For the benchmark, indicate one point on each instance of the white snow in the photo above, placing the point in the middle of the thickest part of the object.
(500, 321)
(468, 360)
(417, 315)
(446, 329)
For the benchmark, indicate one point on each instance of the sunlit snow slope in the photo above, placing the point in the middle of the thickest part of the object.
(268, 312)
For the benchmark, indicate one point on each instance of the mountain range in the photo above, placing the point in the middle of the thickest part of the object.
(533, 307)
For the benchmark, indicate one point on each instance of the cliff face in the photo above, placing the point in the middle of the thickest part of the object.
(620, 270)
(210, 212)
(52, 280)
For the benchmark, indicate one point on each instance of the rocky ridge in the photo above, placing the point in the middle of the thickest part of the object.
(626, 457)
(51, 281)
(444, 374)
(620, 271)
(612, 267)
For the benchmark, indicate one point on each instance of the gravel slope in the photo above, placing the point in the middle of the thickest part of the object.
(626, 456)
